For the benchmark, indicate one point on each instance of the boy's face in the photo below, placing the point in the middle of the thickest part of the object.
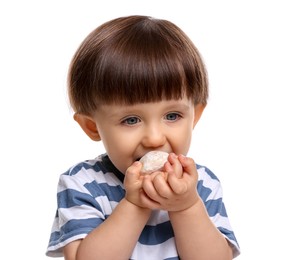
(129, 132)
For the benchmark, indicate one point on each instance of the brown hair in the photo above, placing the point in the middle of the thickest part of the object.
(135, 59)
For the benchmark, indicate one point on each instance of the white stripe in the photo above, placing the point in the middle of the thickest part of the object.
(221, 221)
(85, 211)
(157, 217)
(77, 212)
(212, 184)
(57, 250)
(84, 176)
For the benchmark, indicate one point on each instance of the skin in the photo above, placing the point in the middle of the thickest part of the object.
(166, 126)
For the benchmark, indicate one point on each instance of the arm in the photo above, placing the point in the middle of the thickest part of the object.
(195, 235)
(117, 236)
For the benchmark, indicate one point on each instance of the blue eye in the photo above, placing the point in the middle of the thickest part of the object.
(172, 116)
(131, 121)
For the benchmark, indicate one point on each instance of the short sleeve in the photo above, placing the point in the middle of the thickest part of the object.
(210, 191)
(84, 201)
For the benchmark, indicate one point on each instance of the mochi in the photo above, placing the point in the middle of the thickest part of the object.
(153, 161)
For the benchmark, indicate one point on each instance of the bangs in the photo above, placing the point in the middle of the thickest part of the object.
(140, 71)
(134, 60)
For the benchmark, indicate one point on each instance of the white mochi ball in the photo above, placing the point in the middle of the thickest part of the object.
(153, 161)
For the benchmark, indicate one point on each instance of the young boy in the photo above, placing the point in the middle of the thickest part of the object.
(139, 84)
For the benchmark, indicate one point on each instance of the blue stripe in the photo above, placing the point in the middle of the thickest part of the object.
(72, 228)
(97, 167)
(153, 235)
(113, 193)
(203, 191)
(215, 206)
(228, 233)
(70, 198)
(78, 168)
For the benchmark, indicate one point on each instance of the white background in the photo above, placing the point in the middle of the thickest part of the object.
(240, 136)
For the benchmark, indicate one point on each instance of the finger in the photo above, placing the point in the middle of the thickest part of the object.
(176, 166)
(147, 202)
(161, 186)
(149, 188)
(188, 165)
(154, 174)
(168, 167)
(179, 186)
(132, 174)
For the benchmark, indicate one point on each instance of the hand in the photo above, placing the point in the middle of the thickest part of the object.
(175, 190)
(133, 184)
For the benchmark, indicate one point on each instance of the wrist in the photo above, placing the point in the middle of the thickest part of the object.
(196, 207)
(134, 207)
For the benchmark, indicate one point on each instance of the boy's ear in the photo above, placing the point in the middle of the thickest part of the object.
(198, 110)
(88, 125)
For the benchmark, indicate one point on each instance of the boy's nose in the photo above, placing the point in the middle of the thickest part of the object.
(154, 137)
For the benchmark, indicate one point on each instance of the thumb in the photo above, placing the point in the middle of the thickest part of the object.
(132, 174)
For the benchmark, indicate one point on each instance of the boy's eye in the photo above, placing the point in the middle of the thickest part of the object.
(172, 116)
(131, 121)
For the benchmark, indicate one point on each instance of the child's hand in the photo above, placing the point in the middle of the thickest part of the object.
(175, 191)
(133, 183)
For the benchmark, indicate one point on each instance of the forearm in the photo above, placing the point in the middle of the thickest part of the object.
(117, 236)
(197, 237)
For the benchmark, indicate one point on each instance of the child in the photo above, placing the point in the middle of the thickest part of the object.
(139, 84)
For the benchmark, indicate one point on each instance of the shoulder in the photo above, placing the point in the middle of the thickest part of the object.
(87, 172)
(94, 165)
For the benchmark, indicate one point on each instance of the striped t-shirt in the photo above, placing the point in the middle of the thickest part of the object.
(89, 191)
